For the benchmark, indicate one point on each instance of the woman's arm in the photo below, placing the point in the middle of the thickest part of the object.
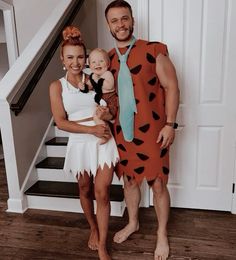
(60, 118)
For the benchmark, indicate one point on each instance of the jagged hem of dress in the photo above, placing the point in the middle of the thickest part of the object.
(88, 157)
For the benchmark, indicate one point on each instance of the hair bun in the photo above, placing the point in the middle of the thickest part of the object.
(71, 32)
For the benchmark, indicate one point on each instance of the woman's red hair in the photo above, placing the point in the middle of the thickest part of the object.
(72, 36)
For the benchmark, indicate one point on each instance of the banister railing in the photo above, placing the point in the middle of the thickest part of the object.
(30, 83)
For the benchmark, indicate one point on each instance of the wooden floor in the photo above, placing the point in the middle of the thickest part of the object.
(37, 234)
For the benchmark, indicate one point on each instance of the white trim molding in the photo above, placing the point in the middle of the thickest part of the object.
(10, 31)
(4, 5)
(17, 205)
(143, 29)
(11, 39)
(233, 207)
(143, 19)
(14, 192)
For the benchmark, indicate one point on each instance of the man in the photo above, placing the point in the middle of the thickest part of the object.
(145, 124)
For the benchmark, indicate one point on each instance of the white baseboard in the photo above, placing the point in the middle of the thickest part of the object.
(16, 205)
(59, 175)
(56, 151)
(68, 205)
(61, 133)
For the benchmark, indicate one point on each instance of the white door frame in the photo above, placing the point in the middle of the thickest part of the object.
(10, 31)
(143, 29)
(233, 207)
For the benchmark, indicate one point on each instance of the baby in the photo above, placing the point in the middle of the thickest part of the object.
(102, 82)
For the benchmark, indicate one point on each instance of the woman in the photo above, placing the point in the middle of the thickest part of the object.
(86, 159)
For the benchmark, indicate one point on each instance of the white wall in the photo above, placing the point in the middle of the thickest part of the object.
(87, 22)
(4, 66)
(3, 49)
(30, 15)
(8, 1)
(2, 31)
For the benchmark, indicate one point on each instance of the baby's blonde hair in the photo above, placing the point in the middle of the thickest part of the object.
(103, 52)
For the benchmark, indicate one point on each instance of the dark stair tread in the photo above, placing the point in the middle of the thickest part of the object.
(67, 190)
(58, 141)
(51, 163)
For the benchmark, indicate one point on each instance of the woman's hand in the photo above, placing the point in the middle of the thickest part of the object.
(101, 131)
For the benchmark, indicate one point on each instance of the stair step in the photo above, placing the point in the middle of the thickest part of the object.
(51, 169)
(58, 141)
(60, 133)
(51, 163)
(69, 204)
(56, 147)
(60, 175)
(67, 190)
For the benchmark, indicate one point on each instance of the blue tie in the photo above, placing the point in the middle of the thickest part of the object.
(127, 102)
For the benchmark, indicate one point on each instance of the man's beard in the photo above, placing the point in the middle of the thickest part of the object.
(131, 30)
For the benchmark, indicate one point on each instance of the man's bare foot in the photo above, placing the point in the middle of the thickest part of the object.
(93, 239)
(124, 233)
(162, 247)
(103, 254)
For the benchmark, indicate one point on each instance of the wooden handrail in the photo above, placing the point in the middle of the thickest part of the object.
(46, 57)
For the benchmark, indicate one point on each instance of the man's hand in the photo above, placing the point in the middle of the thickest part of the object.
(102, 131)
(166, 136)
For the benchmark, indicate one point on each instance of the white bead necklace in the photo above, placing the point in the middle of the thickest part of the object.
(74, 89)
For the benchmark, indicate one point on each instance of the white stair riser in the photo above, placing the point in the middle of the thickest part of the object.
(59, 175)
(68, 204)
(60, 133)
(56, 151)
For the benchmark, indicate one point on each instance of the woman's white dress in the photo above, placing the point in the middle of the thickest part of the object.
(84, 153)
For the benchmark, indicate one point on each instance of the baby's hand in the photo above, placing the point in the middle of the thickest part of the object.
(81, 85)
(102, 112)
(96, 77)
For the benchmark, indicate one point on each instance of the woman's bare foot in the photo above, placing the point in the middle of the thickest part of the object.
(162, 247)
(124, 233)
(103, 254)
(93, 239)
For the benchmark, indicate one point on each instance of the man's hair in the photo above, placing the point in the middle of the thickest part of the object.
(118, 3)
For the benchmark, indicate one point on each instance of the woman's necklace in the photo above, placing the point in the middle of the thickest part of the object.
(76, 89)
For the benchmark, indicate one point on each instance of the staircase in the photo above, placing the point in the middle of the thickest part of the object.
(54, 190)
